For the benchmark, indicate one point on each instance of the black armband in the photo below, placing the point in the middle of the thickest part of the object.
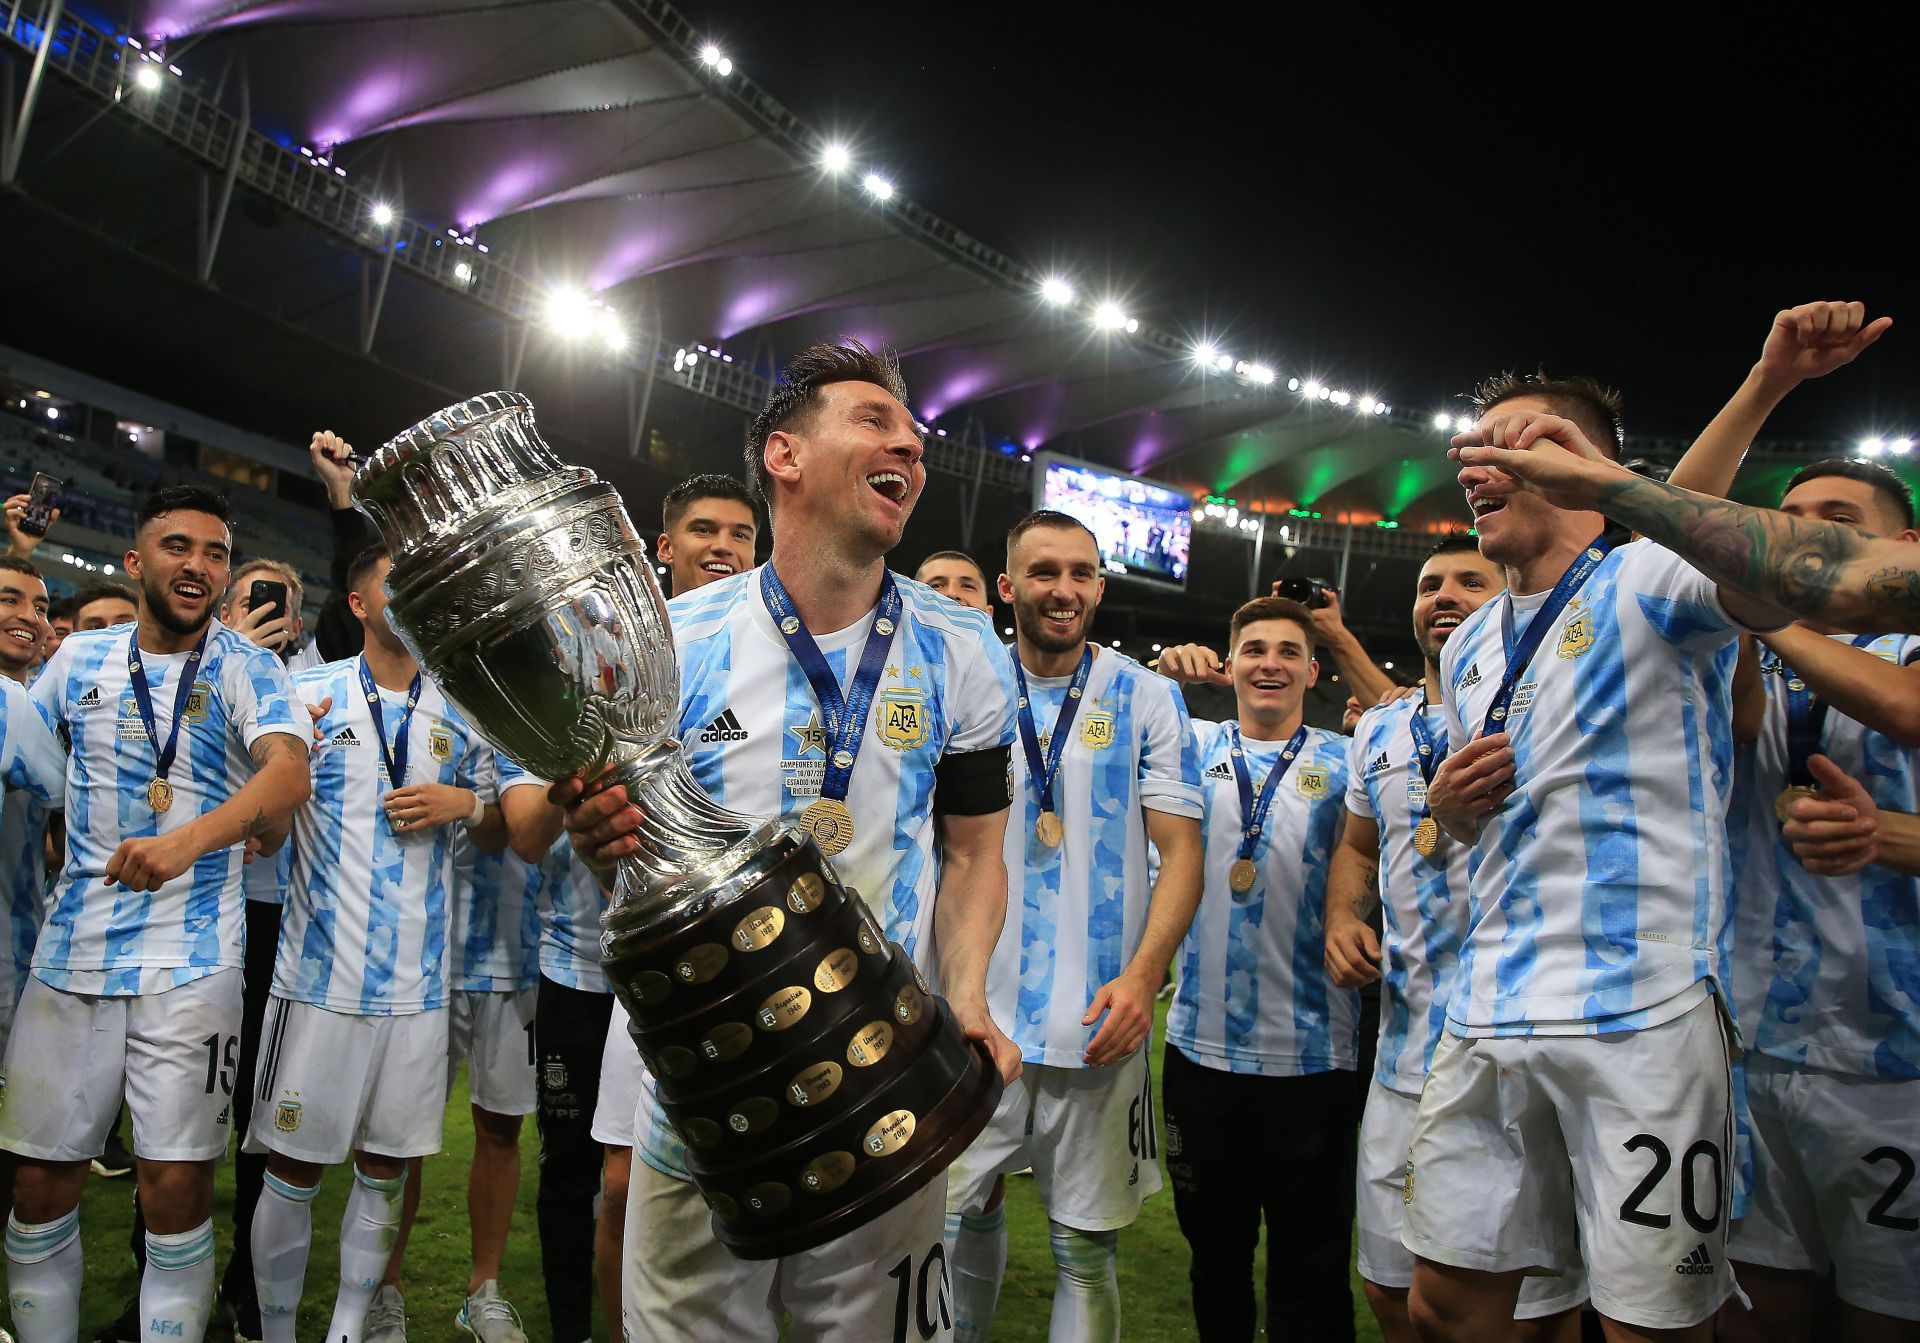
(973, 783)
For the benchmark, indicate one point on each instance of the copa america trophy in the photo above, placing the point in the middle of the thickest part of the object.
(814, 1078)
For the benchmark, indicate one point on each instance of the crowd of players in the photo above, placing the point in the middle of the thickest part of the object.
(1632, 868)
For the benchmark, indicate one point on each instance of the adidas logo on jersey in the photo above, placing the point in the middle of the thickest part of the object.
(90, 700)
(1472, 677)
(1697, 1264)
(1378, 764)
(724, 728)
(1221, 771)
(344, 737)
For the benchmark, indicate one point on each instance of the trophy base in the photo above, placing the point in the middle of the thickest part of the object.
(814, 1077)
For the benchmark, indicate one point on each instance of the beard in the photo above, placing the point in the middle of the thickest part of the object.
(157, 600)
(1033, 628)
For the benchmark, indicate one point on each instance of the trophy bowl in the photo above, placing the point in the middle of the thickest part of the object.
(815, 1079)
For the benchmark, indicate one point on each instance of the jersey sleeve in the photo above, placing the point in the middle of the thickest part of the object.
(49, 690)
(1357, 747)
(508, 774)
(476, 770)
(31, 758)
(260, 698)
(1169, 752)
(984, 697)
(1680, 604)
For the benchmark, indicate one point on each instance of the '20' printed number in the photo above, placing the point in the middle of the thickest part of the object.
(1631, 1211)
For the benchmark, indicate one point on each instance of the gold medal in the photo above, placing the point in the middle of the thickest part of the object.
(1426, 836)
(1786, 799)
(1242, 875)
(829, 823)
(160, 795)
(1049, 830)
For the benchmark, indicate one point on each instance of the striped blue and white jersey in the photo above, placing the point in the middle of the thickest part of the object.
(755, 737)
(1423, 901)
(1827, 969)
(1599, 887)
(1076, 913)
(364, 929)
(570, 905)
(496, 908)
(1254, 996)
(33, 781)
(110, 940)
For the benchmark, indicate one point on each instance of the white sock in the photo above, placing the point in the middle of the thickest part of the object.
(1086, 1286)
(176, 1291)
(282, 1236)
(367, 1233)
(977, 1251)
(43, 1278)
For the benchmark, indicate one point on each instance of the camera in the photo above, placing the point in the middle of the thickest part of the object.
(1309, 592)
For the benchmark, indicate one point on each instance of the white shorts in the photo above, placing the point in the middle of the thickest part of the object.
(620, 1074)
(1537, 1152)
(493, 1032)
(682, 1283)
(1385, 1134)
(1834, 1184)
(333, 1083)
(174, 1055)
(1088, 1133)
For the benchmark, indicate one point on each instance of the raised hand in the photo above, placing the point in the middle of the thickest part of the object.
(1542, 453)
(1813, 339)
(333, 460)
(1192, 664)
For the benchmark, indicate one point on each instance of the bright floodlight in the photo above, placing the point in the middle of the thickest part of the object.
(1260, 373)
(1203, 354)
(382, 214)
(1293, 384)
(723, 69)
(1367, 404)
(1379, 408)
(711, 56)
(1312, 389)
(877, 186)
(1133, 325)
(147, 78)
(1462, 423)
(836, 158)
(1872, 447)
(1900, 447)
(1109, 316)
(1443, 421)
(569, 311)
(1341, 398)
(1226, 362)
(1056, 291)
(1325, 394)
(463, 272)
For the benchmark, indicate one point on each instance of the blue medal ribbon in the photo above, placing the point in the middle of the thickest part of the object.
(1253, 811)
(1427, 752)
(845, 719)
(143, 697)
(1043, 772)
(1520, 650)
(1806, 720)
(395, 756)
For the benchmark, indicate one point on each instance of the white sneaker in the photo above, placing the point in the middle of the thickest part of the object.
(487, 1316)
(387, 1316)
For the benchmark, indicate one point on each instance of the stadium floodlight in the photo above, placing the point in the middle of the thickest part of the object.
(1872, 447)
(1367, 404)
(382, 214)
(1900, 447)
(1108, 316)
(612, 332)
(1443, 421)
(1379, 408)
(569, 312)
(1260, 373)
(1462, 423)
(1311, 390)
(723, 69)
(1386, 666)
(1226, 362)
(836, 158)
(1325, 394)
(1341, 398)
(463, 272)
(1204, 354)
(1056, 291)
(877, 186)
(711, 56)
(1286, 532)
(147, 78)
(1293, 384)
(1133, 325)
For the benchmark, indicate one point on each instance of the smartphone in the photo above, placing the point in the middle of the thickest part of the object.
(42, 496)
(267, 593)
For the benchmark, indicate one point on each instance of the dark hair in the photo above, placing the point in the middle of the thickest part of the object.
(102, 590)
(709, 485)
(1880, 477)
(953, 555)
(363, 564)
(1046, 517)
(181, 498)
(1646, 466)
(1270, 608)
(1589, 403)
(1455, 543)
(20, 566)
(797, 395)
(61, 608)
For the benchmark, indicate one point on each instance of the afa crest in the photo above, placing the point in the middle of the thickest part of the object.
(286, 1116)
(197, 701)
(1096, 730)
(440, 743)
(1577, 637)
(1311, 780)
(902, 718)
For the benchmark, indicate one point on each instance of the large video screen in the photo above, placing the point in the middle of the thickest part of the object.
(1143, 529)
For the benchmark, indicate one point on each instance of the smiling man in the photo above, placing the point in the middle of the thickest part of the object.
(707, 531)
(186, 742)
(953, 573)
(23, 617)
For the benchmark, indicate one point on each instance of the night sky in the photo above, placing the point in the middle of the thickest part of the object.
(1405, 202)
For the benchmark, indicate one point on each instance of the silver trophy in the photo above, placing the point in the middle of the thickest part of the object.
(814, 1078)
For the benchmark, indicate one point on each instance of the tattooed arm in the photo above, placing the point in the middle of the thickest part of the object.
(1353, 900)
(1773, 566)
(262, 809)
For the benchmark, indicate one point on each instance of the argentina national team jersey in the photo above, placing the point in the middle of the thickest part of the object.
(33, 779)
(1076, 913)
(495, 940)
(110, 940)
(1599, 887)
(364, 930)
(1827, 969)
(756, 740)
(1423, 902)
(570, 905)
(1254, 996)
